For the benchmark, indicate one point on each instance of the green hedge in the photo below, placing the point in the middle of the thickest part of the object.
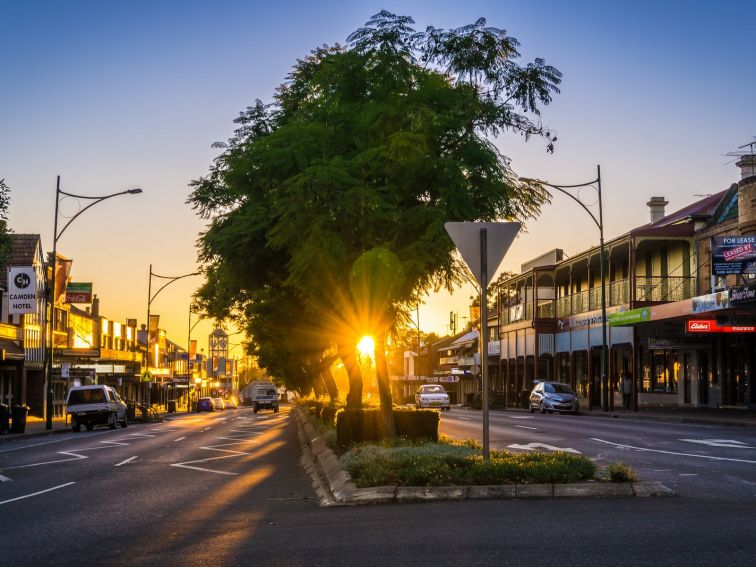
(366, 424)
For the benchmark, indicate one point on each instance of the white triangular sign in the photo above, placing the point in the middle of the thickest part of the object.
(466, 237)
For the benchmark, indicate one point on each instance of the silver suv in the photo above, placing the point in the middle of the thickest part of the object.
(92, 405)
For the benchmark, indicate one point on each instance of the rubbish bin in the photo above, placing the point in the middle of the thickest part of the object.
(4, 419)
(171, 406)
(18, 415)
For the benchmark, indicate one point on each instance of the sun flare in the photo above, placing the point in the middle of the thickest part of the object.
(366, 346)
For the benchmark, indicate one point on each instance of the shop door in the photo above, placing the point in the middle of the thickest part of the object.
(686, 378)
(703, 377)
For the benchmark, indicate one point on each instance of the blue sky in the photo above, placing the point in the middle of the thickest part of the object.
(112, 95)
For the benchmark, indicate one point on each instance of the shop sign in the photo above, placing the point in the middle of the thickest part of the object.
(711, 302)
(79, 292)
(733, 255)
(448, 378)
(743, 294)
(629, 317)
(677, 343)
(712, 326)
(22, 290)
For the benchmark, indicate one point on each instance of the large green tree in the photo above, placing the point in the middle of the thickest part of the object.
(6, 237)
(339, 190)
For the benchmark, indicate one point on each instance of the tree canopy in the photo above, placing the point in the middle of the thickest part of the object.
(326, 207)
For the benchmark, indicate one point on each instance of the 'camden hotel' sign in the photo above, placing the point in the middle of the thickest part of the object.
(22, 290)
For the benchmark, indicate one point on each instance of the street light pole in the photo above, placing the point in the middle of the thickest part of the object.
(150, 298)
(189, 354)
(602, 259)
(50, 313)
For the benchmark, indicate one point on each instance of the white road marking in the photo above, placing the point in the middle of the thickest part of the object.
(464, 418)
(144, 435)
(126, 461)
(36, 493)
(520, 416)
(526, 427)
(5, 479)
(622, 446)
(179, 439)
(720, 443)
(688, 474)
(534, 446)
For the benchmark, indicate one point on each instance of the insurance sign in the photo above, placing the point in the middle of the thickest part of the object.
(22, 290)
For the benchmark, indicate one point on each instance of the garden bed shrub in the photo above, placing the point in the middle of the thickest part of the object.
(437, 464)
(366, 424)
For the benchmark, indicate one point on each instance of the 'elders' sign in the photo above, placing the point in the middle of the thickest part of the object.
(711, 326)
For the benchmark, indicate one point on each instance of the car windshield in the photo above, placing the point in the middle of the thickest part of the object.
(93, 396)
(432, 390)
(558, 389)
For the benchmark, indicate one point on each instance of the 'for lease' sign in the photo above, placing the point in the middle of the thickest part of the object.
(22, 290)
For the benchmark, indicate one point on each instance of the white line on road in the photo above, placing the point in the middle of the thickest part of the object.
(5, 479)
(180, 439)
(126, 461)
(688, 474)
(526, 427)
(36, 493)
(622, 446)
(465, 418)
(534, 446)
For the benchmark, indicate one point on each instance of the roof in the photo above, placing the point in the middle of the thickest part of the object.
(703, 208)
(22, 253)
(465, 339)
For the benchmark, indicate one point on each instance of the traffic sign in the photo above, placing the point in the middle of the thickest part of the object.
(466, 237)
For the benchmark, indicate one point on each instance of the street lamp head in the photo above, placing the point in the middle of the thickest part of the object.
(134, 191)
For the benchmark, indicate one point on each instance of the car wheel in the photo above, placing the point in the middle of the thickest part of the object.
(531, 409)
(113, 421)
(75, 426)
(125, 422)
(541, 407)
(89, 426)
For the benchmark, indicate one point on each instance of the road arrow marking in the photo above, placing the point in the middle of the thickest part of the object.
(535, 446)
(5, 479)
(720, 443)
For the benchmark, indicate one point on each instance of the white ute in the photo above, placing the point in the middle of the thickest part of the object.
(92, 405)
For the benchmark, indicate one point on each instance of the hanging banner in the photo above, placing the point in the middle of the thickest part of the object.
(22, 290)
(79, 292)
(733, 255)
(62, 271)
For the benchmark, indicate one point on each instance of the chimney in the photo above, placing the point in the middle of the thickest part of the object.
(747, 165)
(747, 194)
(657, 204)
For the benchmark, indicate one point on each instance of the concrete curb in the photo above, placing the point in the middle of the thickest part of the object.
(334, 486)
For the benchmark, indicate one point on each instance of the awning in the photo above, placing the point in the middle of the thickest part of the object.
(10, 350)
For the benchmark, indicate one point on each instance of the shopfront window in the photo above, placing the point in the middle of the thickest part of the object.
(661, 374)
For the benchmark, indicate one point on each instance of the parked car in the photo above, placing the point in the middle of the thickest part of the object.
(205, 404)
(553, 396)
(230, 403)
(218, 403)
(94, 405)
(432, 396)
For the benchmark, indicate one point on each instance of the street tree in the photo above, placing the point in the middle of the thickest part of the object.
(6, 237)
(339, 189)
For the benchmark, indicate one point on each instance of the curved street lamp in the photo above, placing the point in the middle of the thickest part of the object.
(150, 298)
(51, 313)
(600, 224)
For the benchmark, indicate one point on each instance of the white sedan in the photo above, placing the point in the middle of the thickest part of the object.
(432, 396)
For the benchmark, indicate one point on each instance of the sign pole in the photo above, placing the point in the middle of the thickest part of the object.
(484, 336)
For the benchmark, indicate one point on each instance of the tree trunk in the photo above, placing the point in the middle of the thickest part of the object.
(347, 355)
(384, 385)
(330, 383)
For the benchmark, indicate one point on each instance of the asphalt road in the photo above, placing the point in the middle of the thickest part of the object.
(227, 489)
(698, 461)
